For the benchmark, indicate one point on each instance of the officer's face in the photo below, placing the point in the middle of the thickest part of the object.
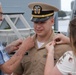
(43, 28)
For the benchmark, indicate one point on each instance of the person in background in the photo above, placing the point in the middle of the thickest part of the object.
(66, 65)
(5, 51)
(7, 64)
(33, 62)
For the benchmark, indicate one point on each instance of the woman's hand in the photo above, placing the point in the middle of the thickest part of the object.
(61, 39)
(50, 47)
(27, 43)
(13, 46)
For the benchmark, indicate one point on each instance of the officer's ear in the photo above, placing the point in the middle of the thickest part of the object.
(0, 11)
(52, 20)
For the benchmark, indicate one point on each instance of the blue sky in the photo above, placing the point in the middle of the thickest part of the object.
(66, 5)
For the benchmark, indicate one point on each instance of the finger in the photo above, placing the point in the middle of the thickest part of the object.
(28, 37)
(53, 43)
(18, 42)
(49, 43)
(15, 48)
(52, 47)
(59, 42)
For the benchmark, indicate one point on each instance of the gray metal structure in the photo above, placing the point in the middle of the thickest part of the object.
(21, 6)
(73, 7)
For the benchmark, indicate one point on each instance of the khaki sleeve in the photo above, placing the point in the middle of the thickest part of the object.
(18, 70)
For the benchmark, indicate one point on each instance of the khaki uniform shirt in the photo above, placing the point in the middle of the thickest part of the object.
(33, 62)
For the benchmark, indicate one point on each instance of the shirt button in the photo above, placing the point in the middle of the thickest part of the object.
(35, 60)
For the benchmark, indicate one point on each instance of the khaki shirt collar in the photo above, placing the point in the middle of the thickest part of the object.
(49, 39)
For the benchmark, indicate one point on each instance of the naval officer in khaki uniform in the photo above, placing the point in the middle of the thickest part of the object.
(33, 62)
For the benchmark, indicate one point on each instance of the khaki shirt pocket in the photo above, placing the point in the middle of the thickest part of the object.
(26, 62)
(40, 67)
(43, 61)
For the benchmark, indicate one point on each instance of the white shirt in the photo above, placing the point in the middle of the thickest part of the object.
(39, 44)
(67, 64)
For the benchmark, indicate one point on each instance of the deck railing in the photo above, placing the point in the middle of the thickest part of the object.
(8, 35)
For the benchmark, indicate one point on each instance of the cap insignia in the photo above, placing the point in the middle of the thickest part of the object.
(37, 9)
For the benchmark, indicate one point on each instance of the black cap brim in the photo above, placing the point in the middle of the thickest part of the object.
(34, 19)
